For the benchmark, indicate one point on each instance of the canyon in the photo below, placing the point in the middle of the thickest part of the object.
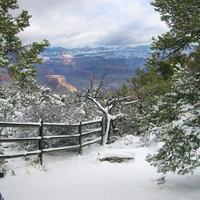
(79, 65)
(66, 69)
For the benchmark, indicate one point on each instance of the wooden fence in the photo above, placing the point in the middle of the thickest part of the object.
(41, 138)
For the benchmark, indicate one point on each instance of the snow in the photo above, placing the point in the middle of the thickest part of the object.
(120, 153)
(66, 175)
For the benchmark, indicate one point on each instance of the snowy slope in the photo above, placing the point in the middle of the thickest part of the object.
(67, 176)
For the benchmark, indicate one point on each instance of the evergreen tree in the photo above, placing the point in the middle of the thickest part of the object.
(16, 57)
(180, 131)
(147, 85)
(182, 18)
(176, 114)
(193, 61)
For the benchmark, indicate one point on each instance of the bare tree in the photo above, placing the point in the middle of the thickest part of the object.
(111, 106)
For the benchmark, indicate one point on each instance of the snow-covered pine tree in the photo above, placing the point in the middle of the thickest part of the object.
(181, 135)
(182, 18)
(148, 85)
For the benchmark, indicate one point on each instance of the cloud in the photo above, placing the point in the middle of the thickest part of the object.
(87, 23)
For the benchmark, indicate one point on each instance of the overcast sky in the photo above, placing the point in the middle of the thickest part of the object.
(78, 23)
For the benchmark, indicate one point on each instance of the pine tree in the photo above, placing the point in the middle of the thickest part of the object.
(177, 112)
(182, 18)
(16, 57)
(148, 86)
(181, 134)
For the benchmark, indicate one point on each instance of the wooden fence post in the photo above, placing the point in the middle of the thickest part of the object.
(41, 142)
(82, 132)
(101, 124)
(80, 136)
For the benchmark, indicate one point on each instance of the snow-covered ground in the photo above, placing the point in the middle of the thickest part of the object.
(68, 176)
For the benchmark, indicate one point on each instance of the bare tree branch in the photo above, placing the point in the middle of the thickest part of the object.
(93, 95)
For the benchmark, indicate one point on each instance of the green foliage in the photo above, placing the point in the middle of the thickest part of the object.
(15, 56)
(182, 18)
(193, 61)
(125, 90)
(169, 90)
(178, 154)
(148, 83)
(180, 134)
(148, 86)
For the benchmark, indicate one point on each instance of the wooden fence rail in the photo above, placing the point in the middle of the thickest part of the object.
(41, 138)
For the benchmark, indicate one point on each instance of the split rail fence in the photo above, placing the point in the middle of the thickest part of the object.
(41, 138)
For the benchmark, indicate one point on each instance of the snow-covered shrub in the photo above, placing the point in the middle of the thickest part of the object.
(25, 106)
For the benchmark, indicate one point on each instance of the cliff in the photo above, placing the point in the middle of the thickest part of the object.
(59, 84)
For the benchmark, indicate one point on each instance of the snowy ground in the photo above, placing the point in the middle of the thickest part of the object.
(67, 176)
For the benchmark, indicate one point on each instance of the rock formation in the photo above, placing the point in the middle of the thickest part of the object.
(59, 84)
